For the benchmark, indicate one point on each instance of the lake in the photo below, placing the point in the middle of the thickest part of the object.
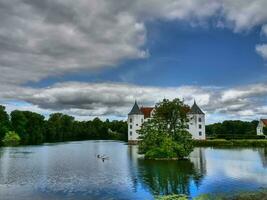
(73, 171)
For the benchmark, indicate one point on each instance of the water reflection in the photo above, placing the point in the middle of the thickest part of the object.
(207, 170)
(172, 177)
(72, 171)
(263, 156)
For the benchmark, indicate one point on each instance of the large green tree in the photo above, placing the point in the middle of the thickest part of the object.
(166, 135)
(18, 123)
(29, 125)
(4, 123)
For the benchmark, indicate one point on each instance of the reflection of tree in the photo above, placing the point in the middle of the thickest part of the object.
(1, 152)
(167, 177)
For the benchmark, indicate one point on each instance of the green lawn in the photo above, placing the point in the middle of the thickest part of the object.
(231, 143)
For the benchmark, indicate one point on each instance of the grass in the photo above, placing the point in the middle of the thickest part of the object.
(256, 195)
(231, 143)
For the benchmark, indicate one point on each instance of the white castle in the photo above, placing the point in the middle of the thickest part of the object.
(137, 116)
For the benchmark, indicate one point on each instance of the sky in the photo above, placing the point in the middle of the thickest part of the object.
(94, 58)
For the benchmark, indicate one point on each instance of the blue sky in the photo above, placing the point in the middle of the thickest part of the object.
(94, 58)
(180, 54)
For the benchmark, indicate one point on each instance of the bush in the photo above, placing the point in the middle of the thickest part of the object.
(11, 139)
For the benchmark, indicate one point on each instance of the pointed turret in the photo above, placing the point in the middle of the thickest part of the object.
(195, 109)
(135, 110)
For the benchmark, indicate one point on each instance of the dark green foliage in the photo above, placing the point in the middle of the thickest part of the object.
(29, 126)
(32, 128)
(4, 123)
(11, 139)
(232, 129)
(165, 135)
(265, 130)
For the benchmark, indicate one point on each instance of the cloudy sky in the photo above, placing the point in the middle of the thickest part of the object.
(91, 58)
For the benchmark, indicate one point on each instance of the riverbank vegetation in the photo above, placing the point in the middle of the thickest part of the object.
(233, 129)
(231, 143)
(256, 195)
(32, 128)
(11, 139)
(165, 135)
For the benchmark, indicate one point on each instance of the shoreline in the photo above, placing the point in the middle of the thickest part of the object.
(231, 143)
(258, 194)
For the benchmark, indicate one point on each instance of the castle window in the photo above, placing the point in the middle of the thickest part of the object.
(136, 124)
(200, 133)
(199, 119)
(131, 126)
(131, 120)
(130, 133)
(199, 126)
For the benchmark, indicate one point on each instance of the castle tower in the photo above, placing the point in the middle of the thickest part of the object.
(135, 120)
(197, 122)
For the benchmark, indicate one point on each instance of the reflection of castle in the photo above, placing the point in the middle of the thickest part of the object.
(198, 157)
(263, 156)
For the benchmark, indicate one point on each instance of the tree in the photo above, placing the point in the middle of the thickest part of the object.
(18, 123)
(4, 122)
(232, 129)
(165, 135)
(11, 139)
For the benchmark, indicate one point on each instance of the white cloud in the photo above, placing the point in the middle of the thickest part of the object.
(42, 38)
(244, 14)
(87, 100)
(261, 49)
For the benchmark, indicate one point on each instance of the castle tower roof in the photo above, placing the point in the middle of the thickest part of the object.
(264, 121)
(195, 109)
(135, 110)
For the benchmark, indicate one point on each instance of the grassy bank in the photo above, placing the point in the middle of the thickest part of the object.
(231, 143)
(257, 195)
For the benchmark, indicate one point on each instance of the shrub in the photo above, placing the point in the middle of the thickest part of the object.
(11, 139)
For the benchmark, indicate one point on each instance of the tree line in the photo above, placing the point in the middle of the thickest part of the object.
(33, 128)
(232, 129)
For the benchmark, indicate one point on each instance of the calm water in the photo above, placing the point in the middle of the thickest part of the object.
(72, 171)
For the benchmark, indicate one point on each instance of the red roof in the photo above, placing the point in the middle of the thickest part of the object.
(146, 111)
(264, 121)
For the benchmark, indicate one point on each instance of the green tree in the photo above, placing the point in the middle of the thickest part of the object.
(165, 135)
(4, 123)
(11, 139)
(18, 123)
